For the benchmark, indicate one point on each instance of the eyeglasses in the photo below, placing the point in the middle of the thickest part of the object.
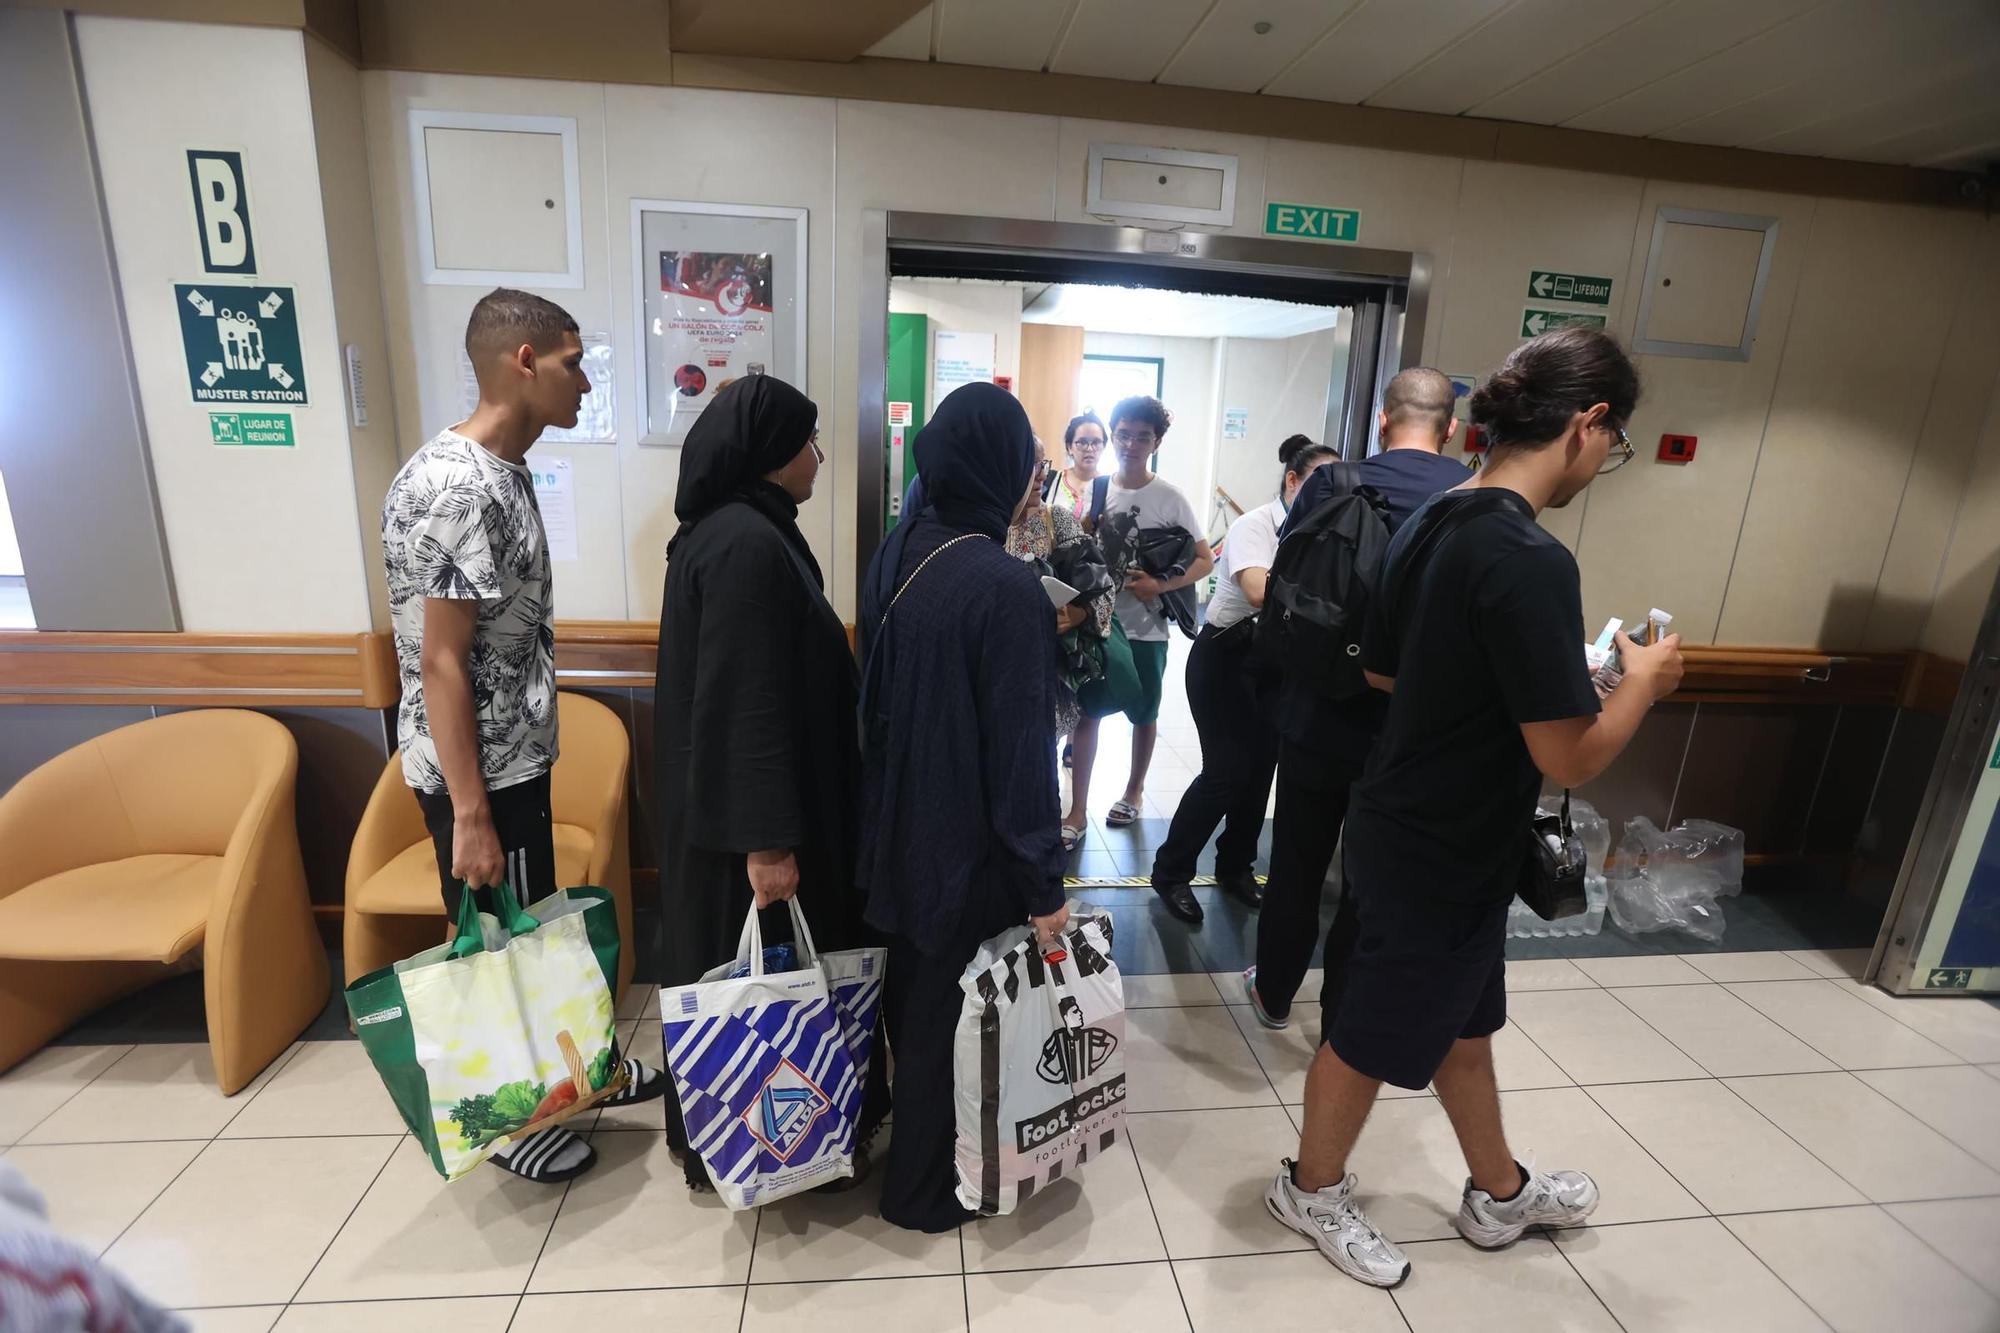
(1129, 438)
(1622, 450)
(812, 441)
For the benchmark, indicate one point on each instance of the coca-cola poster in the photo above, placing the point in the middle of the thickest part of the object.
(717, 325)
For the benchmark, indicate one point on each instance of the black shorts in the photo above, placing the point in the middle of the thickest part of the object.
(526, 829)
(1423, 972)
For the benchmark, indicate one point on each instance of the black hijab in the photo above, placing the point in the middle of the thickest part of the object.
(755, 426)
(974, 460)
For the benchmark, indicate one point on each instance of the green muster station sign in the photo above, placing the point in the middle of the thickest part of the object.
(241, 344)
(1312, 222)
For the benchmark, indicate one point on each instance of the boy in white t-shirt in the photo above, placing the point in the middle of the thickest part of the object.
(1138, 425)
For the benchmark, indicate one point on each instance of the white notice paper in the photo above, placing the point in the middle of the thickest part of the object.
(1060, 593)
(596, 418)
(960, 358)
(555, 494)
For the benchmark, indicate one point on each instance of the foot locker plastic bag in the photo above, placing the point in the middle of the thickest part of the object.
(1038, 1063)
(770, 1067)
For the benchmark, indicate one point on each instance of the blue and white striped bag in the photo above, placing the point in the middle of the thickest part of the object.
(771, 1068)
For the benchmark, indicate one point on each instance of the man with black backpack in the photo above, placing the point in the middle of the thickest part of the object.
(1331, 547)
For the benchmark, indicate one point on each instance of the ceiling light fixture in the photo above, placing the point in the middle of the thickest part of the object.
(1261, 27)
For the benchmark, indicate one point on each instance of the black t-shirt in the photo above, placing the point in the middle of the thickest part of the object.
(1480, 621)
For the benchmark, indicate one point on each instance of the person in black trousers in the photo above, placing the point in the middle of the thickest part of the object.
(1323, 745)
(1238, 743)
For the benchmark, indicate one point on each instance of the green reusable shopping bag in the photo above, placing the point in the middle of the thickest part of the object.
(508, 1027)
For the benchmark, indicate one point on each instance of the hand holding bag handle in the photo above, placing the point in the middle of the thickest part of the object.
(470, 939)
(750, 944)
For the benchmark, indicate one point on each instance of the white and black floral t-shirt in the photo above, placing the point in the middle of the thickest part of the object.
(461, 522)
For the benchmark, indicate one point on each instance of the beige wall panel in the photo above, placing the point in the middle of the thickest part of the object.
(1695, 508)
(1973, 559)
(751, 149)
(1051, 359)
(1929, 518)
(1072, 182)
(427, 322)
(1860, 358)
(930, 159)
(1408, 201)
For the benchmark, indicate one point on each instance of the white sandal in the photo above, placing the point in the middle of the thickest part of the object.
(1072, 837)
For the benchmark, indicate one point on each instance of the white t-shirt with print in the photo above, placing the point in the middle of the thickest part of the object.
(461, 522)
(1252, 543)
(1159, 504)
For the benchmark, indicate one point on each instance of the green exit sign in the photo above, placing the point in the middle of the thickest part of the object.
(269, 430)
(1312, 222)
(1578, 287)
(1534, 321)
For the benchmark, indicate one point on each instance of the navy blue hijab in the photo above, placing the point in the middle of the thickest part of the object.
(975, 458)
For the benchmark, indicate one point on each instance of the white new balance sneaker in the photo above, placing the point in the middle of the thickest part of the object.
(1333, 1221)
(1549, 1198)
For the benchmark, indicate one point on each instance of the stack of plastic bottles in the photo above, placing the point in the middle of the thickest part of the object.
(1595, 833)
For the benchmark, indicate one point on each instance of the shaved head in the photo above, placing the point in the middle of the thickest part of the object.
(1418, 399)
(505, 319)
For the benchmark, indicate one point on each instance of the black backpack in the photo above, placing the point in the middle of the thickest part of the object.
(1316, 596)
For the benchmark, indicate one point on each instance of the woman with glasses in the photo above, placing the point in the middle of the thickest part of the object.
(754, 726)
(1083, 438)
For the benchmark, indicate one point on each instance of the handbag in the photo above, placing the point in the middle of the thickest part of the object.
(1551, 882)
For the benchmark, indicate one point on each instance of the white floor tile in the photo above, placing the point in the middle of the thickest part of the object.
(1562, 1128)
(1169, 990)
(36, 1087)
(639, 1000)
(247, 1220)
(1206, 1173)
(684, 1310)
(95, 1190)
(1716, 1145)
(471, 1314)
(233, 1319)
(818, 1237)
(1284, 1056)
(1303, 1004)
(165, 1091)
(1720, 1032)
(1520, 1064)
(1134, 1296)
(1595, 1039)
(1528, 1286)
(1763, 965)
(910, 1305)
(1526, 974)
(1281, 1293)
(1879, 1148)
(632, 1213)
(1189, 1059)
(1991, 1071)
(327, 1088)
(1863, 1273)
(1965, 1025)
(1965, 1231)
(416, 1234)
(1843, 1027)
(1640, 970)
(1099, 1216)
(1690, 1276)
(1841, 963)
(1957, 1101)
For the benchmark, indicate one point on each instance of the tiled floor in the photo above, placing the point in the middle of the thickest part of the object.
(1779, 1148)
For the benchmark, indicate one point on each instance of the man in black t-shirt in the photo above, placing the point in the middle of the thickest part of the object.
(1476, 631)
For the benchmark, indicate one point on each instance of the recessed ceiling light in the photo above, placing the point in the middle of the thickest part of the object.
(1261, 27)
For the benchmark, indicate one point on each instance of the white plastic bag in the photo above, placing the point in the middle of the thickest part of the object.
(1719, 847)
(1656, 888)
(1038, 1063)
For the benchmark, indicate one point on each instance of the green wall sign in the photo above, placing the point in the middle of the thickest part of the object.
(1534, 321)
(1312, 222)
(241, 344)
(1568, 287)
(268, 430)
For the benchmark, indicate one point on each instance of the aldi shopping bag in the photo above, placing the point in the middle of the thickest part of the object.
(1038, 1065)
(507, 1028)
(770, 1067)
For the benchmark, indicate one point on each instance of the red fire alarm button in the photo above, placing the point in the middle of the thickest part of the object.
(1475, 439)
(1677, 448)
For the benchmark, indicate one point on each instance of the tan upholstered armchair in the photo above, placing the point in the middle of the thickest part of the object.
(394, 908)
(123, 857)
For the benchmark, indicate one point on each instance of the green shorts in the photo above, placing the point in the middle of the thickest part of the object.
(1149, 660)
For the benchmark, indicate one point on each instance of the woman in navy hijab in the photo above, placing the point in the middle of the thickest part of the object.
(960, 831)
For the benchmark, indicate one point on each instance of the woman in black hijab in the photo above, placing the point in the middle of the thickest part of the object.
(754, 724)
(959, 827)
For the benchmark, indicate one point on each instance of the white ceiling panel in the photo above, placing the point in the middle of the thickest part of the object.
(1805, 46)
(1866, 119)
(910, 41)
(1226, 51)
(1376, 42)
(1126, 39)
(1167, 314)
(1650, 47)
(1018, 34)
(1917, 45)
(1507, 49)
(1968, 142)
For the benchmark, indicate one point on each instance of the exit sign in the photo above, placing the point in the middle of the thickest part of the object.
(1576, 287)
(1312, 222)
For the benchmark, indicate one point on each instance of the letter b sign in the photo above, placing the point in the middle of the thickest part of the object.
(222, 211)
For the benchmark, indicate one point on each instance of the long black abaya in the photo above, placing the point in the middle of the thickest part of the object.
(754, 724)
